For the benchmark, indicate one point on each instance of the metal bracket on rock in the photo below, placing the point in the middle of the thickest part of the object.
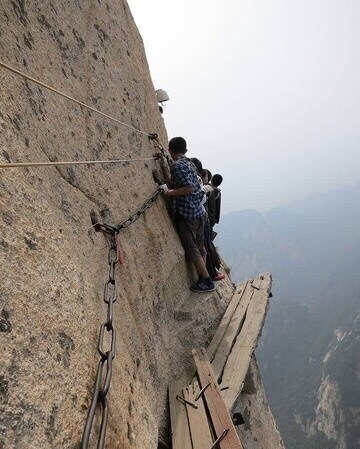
(103, 227)
(238, 419)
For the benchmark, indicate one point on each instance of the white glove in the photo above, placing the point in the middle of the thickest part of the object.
(164, 188)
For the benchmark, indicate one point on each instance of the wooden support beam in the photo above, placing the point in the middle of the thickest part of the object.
(180, 433)
(219, 413)
(198, 422)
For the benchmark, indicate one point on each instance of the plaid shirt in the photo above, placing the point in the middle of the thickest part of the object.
(183, 174)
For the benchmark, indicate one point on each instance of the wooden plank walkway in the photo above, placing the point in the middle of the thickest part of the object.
(230, 353)
(219, 413)
(225, 321)
(180, 432)
(234, 327)
(238, 361)
(199, 427)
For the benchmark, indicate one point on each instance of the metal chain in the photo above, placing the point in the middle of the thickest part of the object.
(158, 146)
(137, 214)
(102, 386)
(102, 383)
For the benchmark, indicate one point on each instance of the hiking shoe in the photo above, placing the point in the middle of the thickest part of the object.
(203, 287)
(219, 277)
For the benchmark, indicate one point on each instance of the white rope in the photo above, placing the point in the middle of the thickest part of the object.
(56, 163)
(53, 89)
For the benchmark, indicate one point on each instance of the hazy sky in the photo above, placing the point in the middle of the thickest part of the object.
(266, 92)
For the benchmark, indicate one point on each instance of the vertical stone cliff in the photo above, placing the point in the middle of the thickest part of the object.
(53, 266)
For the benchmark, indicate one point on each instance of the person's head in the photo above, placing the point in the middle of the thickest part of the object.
(177, 147)
(205, 177)
(216, 180)
(209, 175)
(197, 164)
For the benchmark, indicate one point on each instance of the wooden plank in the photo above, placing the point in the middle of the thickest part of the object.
(237, 364)
(219, 413)
(224, 324)
(234, 327)
(180, 432)
(198, 422)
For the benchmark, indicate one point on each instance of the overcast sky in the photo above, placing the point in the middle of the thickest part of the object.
(266, 92)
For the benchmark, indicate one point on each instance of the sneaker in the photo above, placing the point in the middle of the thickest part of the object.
(203, 287)
(219, 277)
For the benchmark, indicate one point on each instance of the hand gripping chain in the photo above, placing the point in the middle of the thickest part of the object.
(102, 385)
(159, 147)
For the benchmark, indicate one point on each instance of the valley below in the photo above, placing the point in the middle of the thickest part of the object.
(309, 353)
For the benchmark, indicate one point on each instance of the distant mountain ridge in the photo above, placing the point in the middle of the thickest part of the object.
(312, 248)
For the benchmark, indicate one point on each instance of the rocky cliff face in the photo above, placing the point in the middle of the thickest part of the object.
(54, 266)
(254, 407)
(337, 411)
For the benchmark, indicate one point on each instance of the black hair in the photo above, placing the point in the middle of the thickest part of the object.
(216, 180)
(209, 174)
(197, 164)
(177, 145)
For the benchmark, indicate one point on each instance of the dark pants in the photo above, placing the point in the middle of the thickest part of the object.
(212, 257)
(191, 233)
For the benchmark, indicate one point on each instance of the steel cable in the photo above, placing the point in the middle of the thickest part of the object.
(68, 97)
(58, 163)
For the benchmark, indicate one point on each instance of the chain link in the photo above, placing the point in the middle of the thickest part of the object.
(158, 146)
(107, 330)
(104, 370)
(137, 214)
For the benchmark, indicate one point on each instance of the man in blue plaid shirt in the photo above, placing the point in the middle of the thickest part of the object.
(189, 215)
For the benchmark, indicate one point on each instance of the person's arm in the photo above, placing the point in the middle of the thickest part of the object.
(165, 169)
(181, 181)
(180, 191)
